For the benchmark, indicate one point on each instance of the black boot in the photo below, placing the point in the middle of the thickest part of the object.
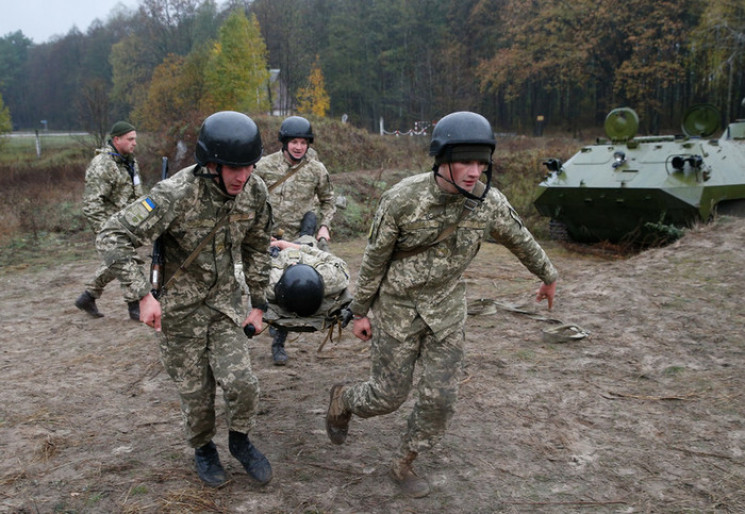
(208, 464)
(256, 465)
(87, 303)
(278, 346)
(134, 310)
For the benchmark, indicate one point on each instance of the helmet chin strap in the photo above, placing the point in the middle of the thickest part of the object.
(292, 158)
(460, 190)
(220, 182)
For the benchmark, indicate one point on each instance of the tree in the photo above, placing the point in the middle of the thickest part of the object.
(237, 75)
(314, 99)
(6, 124)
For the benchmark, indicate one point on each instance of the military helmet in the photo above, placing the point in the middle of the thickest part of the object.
(299, 290)
(468, 130)
(230, 138)
(295, 126)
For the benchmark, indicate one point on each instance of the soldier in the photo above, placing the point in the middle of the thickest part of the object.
(304, 281)
(211, 217)
(426, 231)
(112, 181)
(297, 182)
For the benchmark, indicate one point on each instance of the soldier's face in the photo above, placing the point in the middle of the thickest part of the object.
(297, 147)
(463, 174)
(236, 178)
(125, 143)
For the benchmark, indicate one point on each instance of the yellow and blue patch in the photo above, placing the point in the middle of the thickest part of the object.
(139, 212)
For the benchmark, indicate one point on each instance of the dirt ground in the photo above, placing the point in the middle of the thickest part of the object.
(646, 414)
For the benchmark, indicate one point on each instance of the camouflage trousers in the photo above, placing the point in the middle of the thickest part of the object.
(101, 279)
(200, 352)
(439, 364)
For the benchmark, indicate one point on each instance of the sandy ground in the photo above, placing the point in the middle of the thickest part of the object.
(643, 415)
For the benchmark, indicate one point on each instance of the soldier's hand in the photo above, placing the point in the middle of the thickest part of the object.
(546, 292)
(255, 318)
(150, 312)
(362, 328)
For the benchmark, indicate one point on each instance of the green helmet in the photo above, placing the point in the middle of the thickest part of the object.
(230, 138)
(295, 126)
(300, 290)
(471, 133)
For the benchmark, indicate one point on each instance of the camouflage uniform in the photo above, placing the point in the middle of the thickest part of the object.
(299, 194)
(112, 181)
(202, 342)
(419, 302)
(333, 270)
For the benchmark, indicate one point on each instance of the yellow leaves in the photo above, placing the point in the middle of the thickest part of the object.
(314, 99)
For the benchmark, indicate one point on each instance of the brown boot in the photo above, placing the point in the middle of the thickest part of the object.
(411, 484)
(337, 417)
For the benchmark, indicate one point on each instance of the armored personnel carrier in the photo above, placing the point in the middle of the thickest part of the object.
(643, 191)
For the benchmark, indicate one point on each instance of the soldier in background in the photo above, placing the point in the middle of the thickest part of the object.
(426, 231)
(210, 217)
(301, 195)
(112, 181)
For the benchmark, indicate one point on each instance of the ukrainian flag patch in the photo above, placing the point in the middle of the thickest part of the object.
(139, 211)
(148, 204)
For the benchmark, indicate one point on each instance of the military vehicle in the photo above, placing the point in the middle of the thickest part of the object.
(644, 191)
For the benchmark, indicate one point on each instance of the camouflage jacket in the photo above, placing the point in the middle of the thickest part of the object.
(412, 214)
(184, 209)
(333, 270)
(111, 183)
(308, 187)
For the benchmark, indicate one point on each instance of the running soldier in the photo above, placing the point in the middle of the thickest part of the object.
(426, 231)
(211, 217)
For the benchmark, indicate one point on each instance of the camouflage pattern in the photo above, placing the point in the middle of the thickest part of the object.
(335, 274)
(419, 302)
(309, 189)
(333, 270)
(109, 187)
(112, 182)
(201, 340)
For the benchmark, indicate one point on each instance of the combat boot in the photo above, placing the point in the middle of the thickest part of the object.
(403, 474)
(337, 417)
(87, 303)
(279, 355)
(134, 310)
(208, 465)
(256, 465)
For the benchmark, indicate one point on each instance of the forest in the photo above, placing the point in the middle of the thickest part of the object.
(403, 63)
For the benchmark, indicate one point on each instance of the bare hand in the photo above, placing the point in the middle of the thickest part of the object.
(362, 328)
(255, 318)
(546, 292)
(150, 311)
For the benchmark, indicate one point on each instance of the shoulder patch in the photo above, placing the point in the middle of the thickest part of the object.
(139, 212)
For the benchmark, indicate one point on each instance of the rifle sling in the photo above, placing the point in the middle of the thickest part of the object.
(200, 246)
(468, 206)
(286, 177)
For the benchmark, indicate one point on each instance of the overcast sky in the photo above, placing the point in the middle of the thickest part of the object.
(39, 20)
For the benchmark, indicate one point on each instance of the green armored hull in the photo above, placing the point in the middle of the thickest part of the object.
(644, 189)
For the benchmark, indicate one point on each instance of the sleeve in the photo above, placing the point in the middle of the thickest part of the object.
(255, 247)
(510, 231)
(99, 181)
(140, 222)
(325, 194)
(380, 245)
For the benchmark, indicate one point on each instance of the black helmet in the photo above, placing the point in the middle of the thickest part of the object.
(462, 129)
(295, 126)
(229, 138)
(299, 290)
